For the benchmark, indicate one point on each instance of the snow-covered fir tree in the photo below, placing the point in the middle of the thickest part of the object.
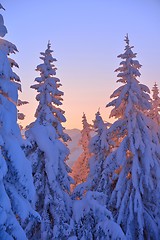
(101, 172)
(49, 96)
(48, 154)
(16, 184)
(101, 145)
(93, 220)
(154, 112)
(80, 168)
(135, 199)
(99, 148)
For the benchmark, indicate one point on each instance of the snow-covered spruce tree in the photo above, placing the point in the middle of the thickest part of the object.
(48, 154)
(101, 172)
(135, 199)
(99, 147)
(16, 184)
(154, 113)
(49, 96)
(80, 168)
(93, 220)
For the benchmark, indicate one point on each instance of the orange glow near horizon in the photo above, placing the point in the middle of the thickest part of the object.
(73, 114)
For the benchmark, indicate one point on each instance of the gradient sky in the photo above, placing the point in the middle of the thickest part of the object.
(86, 36)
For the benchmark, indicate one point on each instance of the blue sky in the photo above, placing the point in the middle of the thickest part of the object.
(86, 37)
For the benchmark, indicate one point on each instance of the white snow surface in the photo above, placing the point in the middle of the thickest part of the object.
(89, 208)
(45, 138)
(16, 183)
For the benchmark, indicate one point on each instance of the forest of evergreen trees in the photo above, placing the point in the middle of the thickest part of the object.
(113, 190)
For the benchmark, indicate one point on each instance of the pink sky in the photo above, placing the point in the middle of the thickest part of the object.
(86, 37)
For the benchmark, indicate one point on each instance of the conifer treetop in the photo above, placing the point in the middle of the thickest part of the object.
(49, 96)
(154, 113)
(98, 124)
(84, 121)
(155, 91)
(85, 133)
(126, 39)
(132, 95)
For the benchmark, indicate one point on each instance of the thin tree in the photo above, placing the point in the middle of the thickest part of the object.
(154, 113)
(80, 168)
(100, 147)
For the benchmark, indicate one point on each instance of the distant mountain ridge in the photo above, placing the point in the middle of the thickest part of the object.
(73, 145)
